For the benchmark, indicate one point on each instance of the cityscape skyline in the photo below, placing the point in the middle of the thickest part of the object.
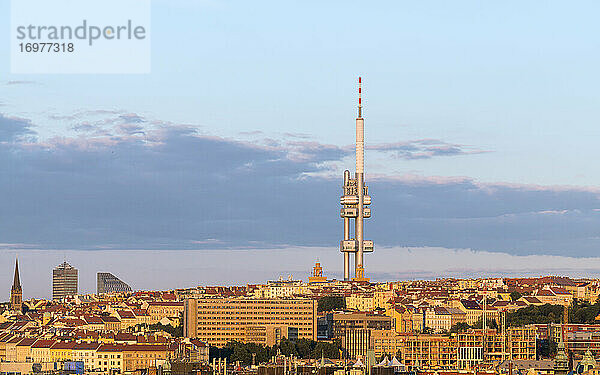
(190, 268)
(173, 175)
(471, 145)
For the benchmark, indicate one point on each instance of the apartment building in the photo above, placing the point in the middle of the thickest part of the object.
(164, 309)
(463, 350)
(441, 319)
(360, 302)
(137, 357)
(217, 321)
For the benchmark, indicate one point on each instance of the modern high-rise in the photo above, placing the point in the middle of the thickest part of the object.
(109, 283)
(16, 293)
(217, 321)
(64, 281)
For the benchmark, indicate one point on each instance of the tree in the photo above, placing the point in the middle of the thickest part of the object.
(330, 303)
(584, 312)
(546, 348)
(459, 327)
(535, 315)
(515, 295)
(236, 351)
(173, 331)
(326, 349)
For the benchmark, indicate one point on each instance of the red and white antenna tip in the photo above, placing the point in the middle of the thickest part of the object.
(359, 97)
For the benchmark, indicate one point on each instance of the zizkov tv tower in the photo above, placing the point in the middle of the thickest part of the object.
(354, 201)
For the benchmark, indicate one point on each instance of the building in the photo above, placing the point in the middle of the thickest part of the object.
(441, 319)
(164, 309)
(64, 281)
(465, 350)
(16, 292)
(216, 321)
(270, 335)
(355, 201)
(360, 302)
(317, 274)
(142, 357)
(428, 351)
(108, 283)
(343, 322)
(357, 342)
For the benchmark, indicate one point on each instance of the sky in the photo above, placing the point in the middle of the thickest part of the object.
(481, 127)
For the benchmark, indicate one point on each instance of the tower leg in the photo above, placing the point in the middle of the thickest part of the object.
(346, 254)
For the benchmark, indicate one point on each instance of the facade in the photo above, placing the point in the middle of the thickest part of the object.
(216, 321)
(357, 342)
(159, 309)
(317, 274)
(139, 357)
(16, 292)
(108, 283)
(441, 319)
(464, 350)
(64, 281)
(343, 322)
(360, 302)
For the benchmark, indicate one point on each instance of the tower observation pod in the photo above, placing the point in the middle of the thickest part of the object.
(355, 200)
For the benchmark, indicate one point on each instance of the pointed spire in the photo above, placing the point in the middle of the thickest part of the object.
(16, 280)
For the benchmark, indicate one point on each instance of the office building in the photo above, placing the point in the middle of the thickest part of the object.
(64, 281)
(216, 321)
(108, 283)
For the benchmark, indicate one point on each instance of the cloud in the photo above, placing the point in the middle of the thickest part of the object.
(14, 83)
(132, 118)
(125, 186)
(424, 149)
(14, 128)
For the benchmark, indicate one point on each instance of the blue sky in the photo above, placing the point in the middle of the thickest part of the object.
(515, 78)
(481, 130)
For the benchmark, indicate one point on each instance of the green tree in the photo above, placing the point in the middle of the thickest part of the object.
(515, 295)
(546, 348)
(326, 349)
(459, 327)
(330, 303)
(535, 315)
(583, 312)
(173, 331)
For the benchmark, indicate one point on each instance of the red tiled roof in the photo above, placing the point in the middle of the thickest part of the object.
(43, 343)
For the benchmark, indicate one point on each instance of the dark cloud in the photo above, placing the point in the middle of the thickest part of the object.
(13, 128)
(174, 188)
(132, 118)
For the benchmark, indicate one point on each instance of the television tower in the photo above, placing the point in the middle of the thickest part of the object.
(354, 200)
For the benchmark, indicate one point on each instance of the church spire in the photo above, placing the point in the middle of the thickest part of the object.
(16, 293)
(16, 280)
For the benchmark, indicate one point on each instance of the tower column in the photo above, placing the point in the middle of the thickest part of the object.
(360, 186)
(346, 231)
(346, 254)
